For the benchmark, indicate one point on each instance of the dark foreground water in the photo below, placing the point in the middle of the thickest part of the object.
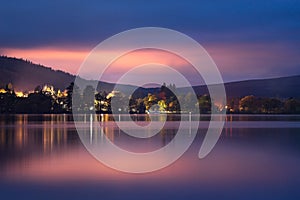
(257, 157)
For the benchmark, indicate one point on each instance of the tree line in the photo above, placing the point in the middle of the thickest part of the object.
(265, 105)
(47, 100)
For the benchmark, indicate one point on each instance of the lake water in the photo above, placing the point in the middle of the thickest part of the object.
(256, 157)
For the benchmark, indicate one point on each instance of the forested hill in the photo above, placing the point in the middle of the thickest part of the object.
(25, 75)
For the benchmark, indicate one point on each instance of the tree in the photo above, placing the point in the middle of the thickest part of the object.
(150, 100)
(73, 91)
(271, 105)
(119, 102)
(188, 103)
(250, 104)
(162, 105)
(204, 103)
(9, 88)
(88, 98)
(7, 102)
(141, 108)
(292, 106)
(37, 89)
(35, 103)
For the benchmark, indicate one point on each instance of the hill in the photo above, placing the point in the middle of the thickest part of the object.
(283, 87)
(276, 87)
(25, 75)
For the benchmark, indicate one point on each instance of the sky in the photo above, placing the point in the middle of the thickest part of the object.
(246, 39)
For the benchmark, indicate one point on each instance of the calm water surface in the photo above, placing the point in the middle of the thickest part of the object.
(257, 157)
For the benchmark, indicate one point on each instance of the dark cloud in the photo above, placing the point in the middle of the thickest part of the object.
(46, 23)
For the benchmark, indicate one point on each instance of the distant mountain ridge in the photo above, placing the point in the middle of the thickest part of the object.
(283, 87)
(25, 76)
(275, 87)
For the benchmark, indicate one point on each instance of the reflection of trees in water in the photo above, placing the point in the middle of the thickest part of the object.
(23, 138)
(167, 135)
(121, 139)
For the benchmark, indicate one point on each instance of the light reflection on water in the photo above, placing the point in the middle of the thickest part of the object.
(256, 157)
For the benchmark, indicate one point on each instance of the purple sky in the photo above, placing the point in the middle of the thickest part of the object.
(246, 39)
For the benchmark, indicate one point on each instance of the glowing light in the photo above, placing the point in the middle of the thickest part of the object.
(112, 94)
(21, 94)
(61, 94)
(48, 89)
(3, 91)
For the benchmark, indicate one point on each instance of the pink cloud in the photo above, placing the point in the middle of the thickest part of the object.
(235, 61)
